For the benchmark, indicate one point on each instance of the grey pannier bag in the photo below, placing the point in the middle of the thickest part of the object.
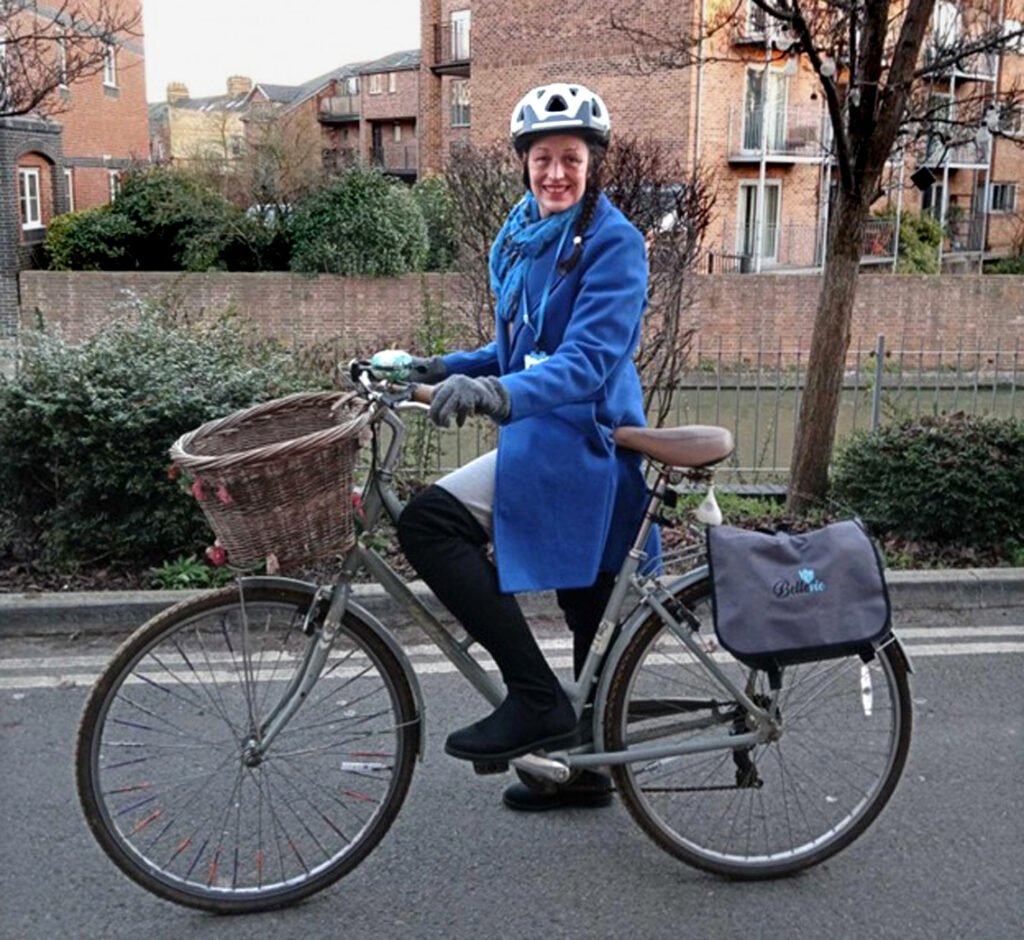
(787, 598)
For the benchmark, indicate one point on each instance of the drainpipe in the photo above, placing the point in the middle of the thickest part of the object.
(899, 217)
(700, 84)
(986, 208)
(759, 210)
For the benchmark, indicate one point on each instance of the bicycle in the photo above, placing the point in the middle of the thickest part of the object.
(248, 748)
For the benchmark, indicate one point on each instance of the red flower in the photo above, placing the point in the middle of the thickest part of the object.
(223, 495)
(197, 489)
(357, 505)
(173, 472)
(217, 555)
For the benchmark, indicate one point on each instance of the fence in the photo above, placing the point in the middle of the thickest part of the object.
(756, 392)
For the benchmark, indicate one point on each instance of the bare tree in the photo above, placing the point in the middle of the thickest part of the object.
(44, 47)
(873, 65)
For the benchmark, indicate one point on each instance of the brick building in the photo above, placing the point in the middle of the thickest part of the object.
(68, 153)
(750, 111)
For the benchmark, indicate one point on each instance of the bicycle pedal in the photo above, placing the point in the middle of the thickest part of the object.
(484, 767)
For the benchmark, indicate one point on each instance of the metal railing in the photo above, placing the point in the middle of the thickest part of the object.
(396, 157)
(755, 390)
(793, 132)
(451, 43)
(965, 233)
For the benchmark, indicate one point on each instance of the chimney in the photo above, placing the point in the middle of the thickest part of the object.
(176, 91)
(239, 85)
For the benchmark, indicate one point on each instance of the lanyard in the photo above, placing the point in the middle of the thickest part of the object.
(539, 327)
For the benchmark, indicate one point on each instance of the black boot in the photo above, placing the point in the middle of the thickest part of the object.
(447, 547)
(515, 728)
(589, 789)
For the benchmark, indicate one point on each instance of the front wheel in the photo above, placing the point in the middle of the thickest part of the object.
(168, 777)
(769, 810)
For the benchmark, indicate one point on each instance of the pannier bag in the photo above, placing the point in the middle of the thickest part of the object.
(783, 598)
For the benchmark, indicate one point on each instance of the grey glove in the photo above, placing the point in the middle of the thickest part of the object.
(460, 396)
(427, 371)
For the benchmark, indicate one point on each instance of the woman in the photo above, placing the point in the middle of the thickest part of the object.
(557, 499)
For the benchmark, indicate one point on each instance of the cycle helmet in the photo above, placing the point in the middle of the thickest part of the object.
(559, 108)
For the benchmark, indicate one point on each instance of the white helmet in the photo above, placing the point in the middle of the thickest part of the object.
(559, 108)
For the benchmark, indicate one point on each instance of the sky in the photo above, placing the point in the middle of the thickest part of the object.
(281, 42)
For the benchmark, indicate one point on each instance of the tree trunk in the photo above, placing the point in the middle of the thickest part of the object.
(819, 406)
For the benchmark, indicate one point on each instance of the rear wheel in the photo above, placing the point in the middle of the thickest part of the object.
(776, 808)
(168, 778)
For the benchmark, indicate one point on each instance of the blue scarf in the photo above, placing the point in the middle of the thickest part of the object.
(523, 237)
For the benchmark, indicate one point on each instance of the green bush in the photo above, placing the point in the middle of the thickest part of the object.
(1006, 266)
(361, 224)
(434, 198)
(920, 236)
(85, 430)
(951, 480)
(162, 220)
(92, 240)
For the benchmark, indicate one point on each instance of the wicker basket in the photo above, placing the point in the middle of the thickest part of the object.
(276, 479)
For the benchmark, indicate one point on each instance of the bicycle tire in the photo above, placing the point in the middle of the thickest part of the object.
(160, 757)
(846, 727)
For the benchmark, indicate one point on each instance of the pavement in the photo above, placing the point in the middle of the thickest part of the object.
(952, 597)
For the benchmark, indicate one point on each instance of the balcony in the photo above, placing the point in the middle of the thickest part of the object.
(797, 246)
(397, 159)
(781, 135)
(451, 49)
(339, 109)
(969, 154)
(338, 159)
(965, 233)
(982, 66)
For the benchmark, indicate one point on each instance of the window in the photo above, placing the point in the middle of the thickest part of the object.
(1004, 197)
(746, 234)
(376, 83)
(392, 82)
(757, 20)
(69, 185)
(352, 85)
(933, 199)
(460, 103)
(460, 35)
(28, 196)
(114, 183)
(110, 66)
(397, 133)
(764, 111)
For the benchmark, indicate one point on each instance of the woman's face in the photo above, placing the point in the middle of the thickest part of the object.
(557, 165)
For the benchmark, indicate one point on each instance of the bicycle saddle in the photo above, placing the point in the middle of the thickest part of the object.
(693, 445)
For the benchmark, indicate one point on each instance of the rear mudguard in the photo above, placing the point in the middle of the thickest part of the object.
(383, 634)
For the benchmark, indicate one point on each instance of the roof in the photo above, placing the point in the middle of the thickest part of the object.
(208, 103)
(279, 94)
(394, 62)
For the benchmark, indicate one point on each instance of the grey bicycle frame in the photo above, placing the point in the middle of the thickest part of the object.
(380, 498)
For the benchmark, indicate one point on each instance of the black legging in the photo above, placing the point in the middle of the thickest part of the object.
(448, 549)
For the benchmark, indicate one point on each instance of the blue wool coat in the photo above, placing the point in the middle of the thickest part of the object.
(567, 502)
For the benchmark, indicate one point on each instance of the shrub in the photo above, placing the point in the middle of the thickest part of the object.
(1006, 266)
(92, 240)
(161, 220)
(434, 198)
(952, 479)
(85, 430)
(360, 224)
(920, 236)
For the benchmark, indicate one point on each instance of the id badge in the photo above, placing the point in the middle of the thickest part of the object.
(534, 359)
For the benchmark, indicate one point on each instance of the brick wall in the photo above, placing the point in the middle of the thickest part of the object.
(739, 311)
